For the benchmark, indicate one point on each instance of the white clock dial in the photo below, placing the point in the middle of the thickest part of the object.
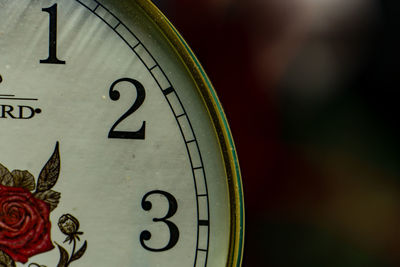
(108, 143)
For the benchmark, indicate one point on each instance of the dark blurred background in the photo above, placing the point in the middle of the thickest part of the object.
(310, 90)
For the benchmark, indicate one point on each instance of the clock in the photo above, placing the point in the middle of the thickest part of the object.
(115, 148)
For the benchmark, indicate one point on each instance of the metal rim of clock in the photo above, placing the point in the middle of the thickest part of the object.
(220, 123)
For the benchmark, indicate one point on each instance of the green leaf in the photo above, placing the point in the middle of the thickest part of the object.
(64, 256)
(50, 197)
(23, 179)
(6, 177)
(80, 252)
(6, 260)
(50, 172)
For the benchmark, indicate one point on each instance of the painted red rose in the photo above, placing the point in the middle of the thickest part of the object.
(24, 224)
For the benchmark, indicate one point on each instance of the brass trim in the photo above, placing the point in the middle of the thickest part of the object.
(221, 127)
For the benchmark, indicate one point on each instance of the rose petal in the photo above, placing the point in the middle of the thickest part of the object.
(24, 224)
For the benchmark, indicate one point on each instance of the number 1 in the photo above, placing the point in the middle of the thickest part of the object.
(52, 59)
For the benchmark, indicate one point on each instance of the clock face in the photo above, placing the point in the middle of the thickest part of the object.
(115, 151)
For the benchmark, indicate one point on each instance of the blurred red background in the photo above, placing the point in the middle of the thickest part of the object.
(310, 90)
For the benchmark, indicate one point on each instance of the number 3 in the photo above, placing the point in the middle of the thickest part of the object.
(173, 229)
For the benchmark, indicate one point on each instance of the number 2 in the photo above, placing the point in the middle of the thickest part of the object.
(141, 95)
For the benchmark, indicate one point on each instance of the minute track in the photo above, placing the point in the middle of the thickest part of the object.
(151, 64)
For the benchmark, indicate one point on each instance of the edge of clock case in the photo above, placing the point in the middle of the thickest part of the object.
(221, 125)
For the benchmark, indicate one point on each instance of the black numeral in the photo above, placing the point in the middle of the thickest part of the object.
(141, 95)
(52, 59)
(173, 229)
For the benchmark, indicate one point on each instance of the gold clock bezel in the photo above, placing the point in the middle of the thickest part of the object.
(220, 124)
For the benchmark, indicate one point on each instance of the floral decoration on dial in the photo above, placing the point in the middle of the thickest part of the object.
(25, 206)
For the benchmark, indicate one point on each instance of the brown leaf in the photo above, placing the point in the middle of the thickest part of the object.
(23, 179)
(64, 256)
(80, 252)
(51, 197)
(6, 177)
(6, 260)
(50, 172)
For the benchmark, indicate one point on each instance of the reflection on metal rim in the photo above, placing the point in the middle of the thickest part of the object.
(220, 123)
